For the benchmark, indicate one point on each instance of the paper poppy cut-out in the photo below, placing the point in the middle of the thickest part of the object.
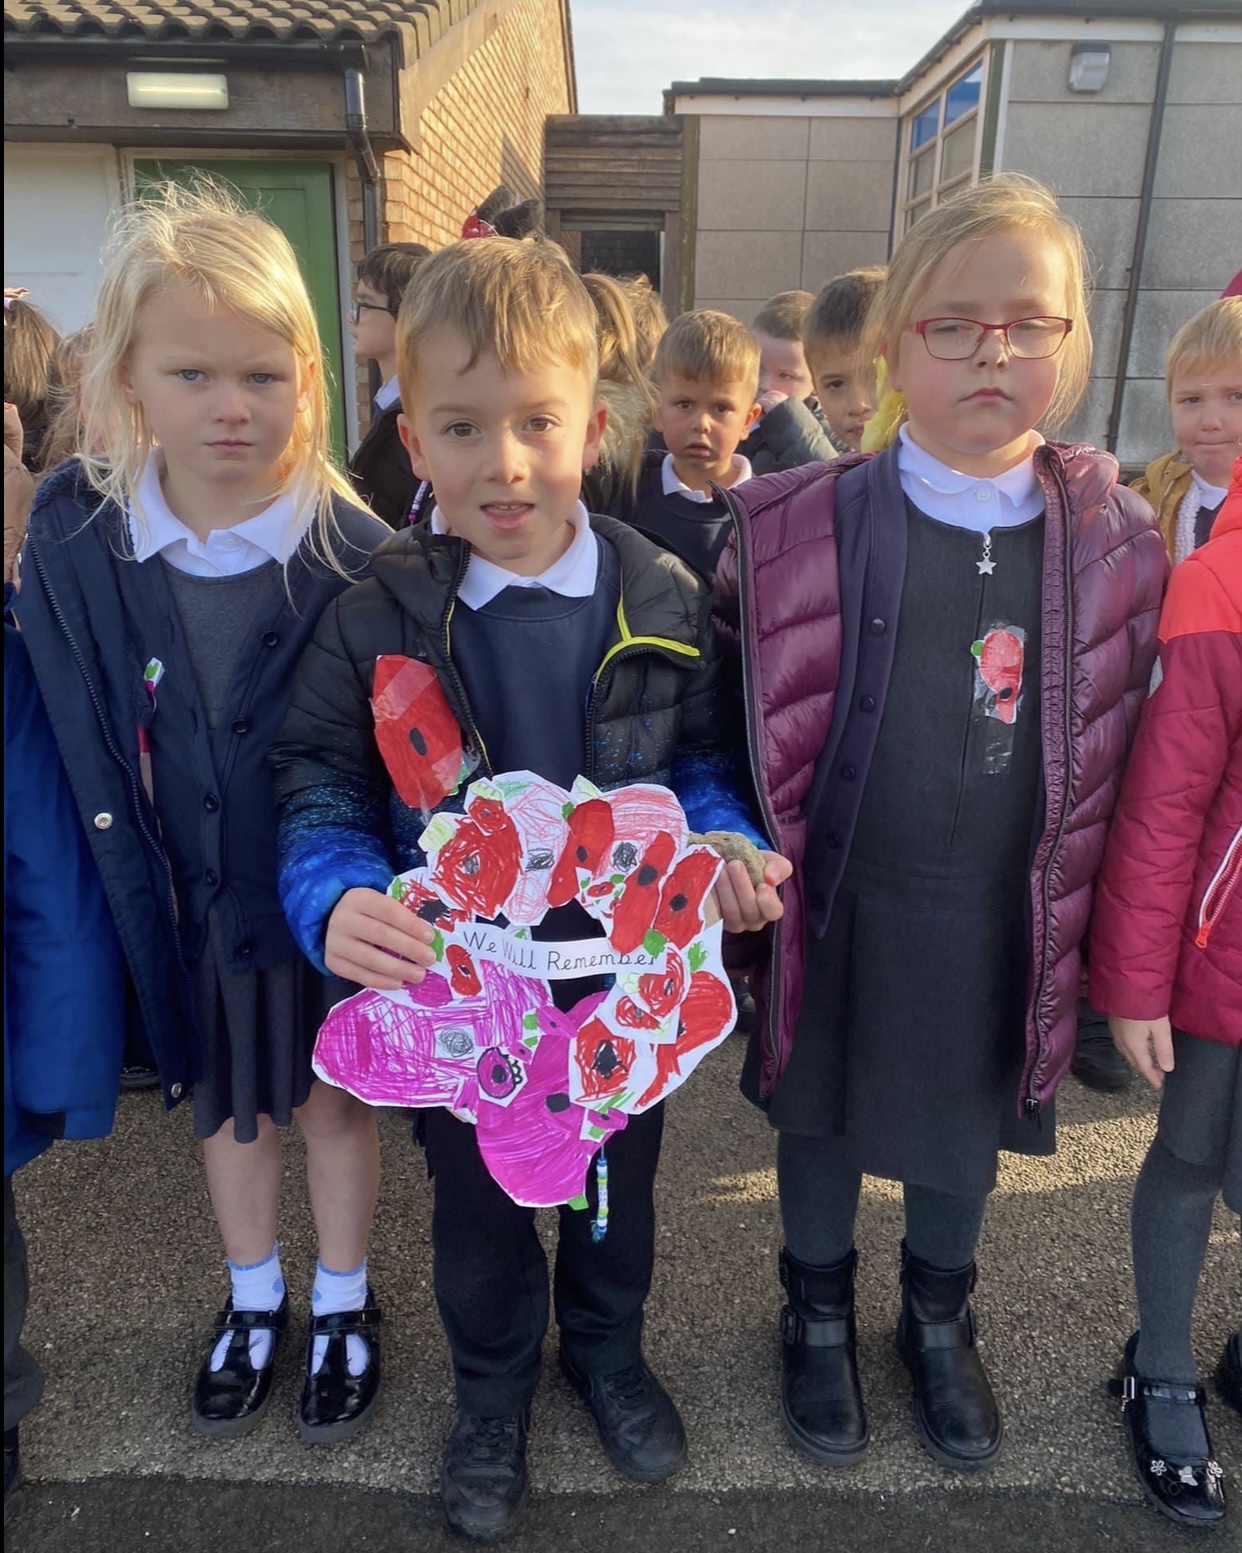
(483, 1035)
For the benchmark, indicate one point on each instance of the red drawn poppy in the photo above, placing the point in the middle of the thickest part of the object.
(661, 991)
(680, 917)
(463, 978)
(640, 896)
(417, 734)
(591, 830)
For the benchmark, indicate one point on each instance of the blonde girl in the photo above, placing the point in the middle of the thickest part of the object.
(626, 391)
(946, 647)
(173, 573)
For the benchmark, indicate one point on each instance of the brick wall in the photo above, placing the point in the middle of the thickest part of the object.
(484, 127)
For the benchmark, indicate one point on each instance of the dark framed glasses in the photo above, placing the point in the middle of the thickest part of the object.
(957, 339)
(356, 310)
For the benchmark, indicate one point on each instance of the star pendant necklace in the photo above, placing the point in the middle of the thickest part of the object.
(986, 565)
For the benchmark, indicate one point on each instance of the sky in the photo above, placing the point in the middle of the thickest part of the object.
(628, 51)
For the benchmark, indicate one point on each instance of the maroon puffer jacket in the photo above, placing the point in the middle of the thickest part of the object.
(809, 591)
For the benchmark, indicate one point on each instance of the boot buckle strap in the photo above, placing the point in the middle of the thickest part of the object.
(833, 1332)
(959, 1333)
(1133, 1387)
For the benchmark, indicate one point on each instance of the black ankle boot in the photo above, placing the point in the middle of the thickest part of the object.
(821, 1399)
(955, 1412)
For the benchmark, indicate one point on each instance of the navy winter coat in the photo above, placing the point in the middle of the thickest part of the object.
(64, 974)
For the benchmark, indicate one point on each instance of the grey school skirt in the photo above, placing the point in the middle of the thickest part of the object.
(1201, 1110)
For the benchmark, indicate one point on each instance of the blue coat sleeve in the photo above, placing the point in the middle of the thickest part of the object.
(64, 1015)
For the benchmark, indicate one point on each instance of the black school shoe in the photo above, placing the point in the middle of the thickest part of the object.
(1189, 1492)
(1229, 1371)
(336, 1404)
(483, 1484)
(955, 1411)
(638, 1422)
(232, 1400)
(1097, 1063)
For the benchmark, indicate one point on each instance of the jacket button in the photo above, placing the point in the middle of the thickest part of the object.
(270, 639)
(211, 803)
(848, 773)
(866, 704)
(103, 821)
(211, 877)
(245, 949)
(174, 1091)
(241, 726)
(878, 626)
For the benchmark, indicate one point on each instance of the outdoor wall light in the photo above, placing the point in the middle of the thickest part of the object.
(1088, 68)
(168, 89)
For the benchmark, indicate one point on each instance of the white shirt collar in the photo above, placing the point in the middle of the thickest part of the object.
(673, 485)
(1209, 495)
(968, 501)
(573, 576)
(272, 535)
(388, 395)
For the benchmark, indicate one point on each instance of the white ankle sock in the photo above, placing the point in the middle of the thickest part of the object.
(258, 1286)
(333, 1293)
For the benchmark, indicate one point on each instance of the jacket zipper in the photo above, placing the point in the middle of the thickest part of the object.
(1220, 888)
(113, 749)
(629, 646)
(1031, 1105)
(756, 773)
(459, 686)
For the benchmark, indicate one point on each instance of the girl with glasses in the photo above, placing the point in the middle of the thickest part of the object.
(946, 646)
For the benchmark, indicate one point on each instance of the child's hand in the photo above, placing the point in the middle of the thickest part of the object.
(745, 907)
(770, 398)
(377, 942)
(1147, 1045)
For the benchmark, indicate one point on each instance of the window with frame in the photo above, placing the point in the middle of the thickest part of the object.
(942, 145)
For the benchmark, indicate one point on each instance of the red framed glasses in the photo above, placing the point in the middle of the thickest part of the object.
(957, 339)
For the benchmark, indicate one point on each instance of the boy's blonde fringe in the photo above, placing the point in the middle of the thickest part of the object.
(1008, 202)
(1212, 337)
(201, 235)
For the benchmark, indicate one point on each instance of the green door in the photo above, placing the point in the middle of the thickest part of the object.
(296, 197)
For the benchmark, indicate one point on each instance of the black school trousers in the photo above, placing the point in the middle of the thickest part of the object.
(491, 1274)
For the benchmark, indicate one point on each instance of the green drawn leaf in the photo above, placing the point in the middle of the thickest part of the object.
(654, 943)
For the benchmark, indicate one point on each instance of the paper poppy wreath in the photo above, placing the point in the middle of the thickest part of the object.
(482, 1034)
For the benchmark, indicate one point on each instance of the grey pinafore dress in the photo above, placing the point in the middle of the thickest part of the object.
(910, 1046)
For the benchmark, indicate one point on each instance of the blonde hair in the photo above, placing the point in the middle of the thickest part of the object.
(30, 342)
(650, 319)
(708, 347)
(783, 315)
(623, 384)
(1213, 335)
(65, 400)
(1007, 203)
(519, 299)
(201, 236)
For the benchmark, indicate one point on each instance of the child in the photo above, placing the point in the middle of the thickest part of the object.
(842, 375)
(627, 394)
(173, 573)
(576, 647)
(650, 318)
(946, 650)
(30, 342)
(706, 377)
(791, 430)
(1166, 963)
(380, 466)
(1203, 377)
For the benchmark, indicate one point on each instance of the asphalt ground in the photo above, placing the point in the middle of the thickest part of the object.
(127, 1274)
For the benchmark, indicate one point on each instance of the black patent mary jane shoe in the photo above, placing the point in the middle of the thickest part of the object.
(1192, 1493)
(483, 1484)
(232, 1400)
(336, 1404)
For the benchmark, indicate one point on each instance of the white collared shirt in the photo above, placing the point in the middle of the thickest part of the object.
(272, 535)
(573, 576)
(673, 485)
(967, 501)
(388, 395)
(1210, 496)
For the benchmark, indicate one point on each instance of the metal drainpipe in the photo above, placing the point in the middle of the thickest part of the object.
(1154, 130)
(368, 172)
